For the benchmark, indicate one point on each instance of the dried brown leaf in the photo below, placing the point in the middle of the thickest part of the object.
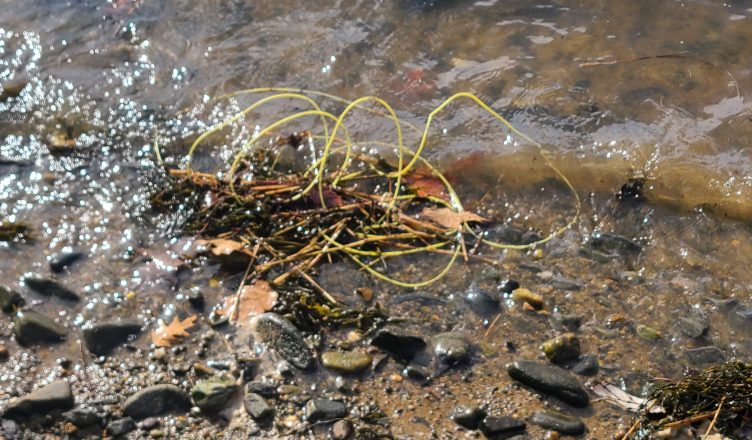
(255, 299)
(169, 335)
(426, 185)
(449, 218)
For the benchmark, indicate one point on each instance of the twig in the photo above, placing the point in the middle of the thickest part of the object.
(323, 291)
(490, 327)
(688, 420)
(632, 429)
(715, 418)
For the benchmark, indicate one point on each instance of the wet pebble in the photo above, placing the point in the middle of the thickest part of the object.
(562, 423)
(13, 87)
(64, 260)
(549, 379)
(47, 287)
(417, 372)
(10, 430)
(257, 407)
(341, 430)
(451, 348)
(32, 327)
(103, 337)
(157, 400)
(212, 394)
(693, 326)
(562, 348)
(285, 339)
(4, 354)
(10, 300)
(82, 417)
(587, 365)
(120, 427)
(508, 286)
(401, 346)
(264, 389)
(346, 363)
(565, 322)
(523, 295)
(324, 409)
(480, 301)
(496, 427)
(467, 416)
(55, 396)
(648, 333)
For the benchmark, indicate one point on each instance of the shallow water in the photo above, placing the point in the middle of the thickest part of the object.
(612, 89)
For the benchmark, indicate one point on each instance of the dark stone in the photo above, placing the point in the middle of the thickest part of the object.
(451, 348)
(401, 346)
(56, 396)
(501, 427)
(10, 300)
(47, 287)
(120, 427)
(258, 408)
(563, 322)
(82, 417)
(196, 298)
(10, 430)
(285, 339)
(13, 87)
(555, 421)
(157, 400)
(480, 301)
(324, 409)
(705, 356)
(213, 393)
(587, 365)
(64, 260)
(467, 416)
(32, 327)
(103, 337)
(417, 372)
(551, 380)
(341, 430)
(613, 243)
(263, 389)
(564, 283)
(508, 286)
(695, 325)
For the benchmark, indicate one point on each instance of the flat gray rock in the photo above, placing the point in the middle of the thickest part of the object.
(157, 400)
(32, 327)
(55, 396)
(550, 380)
(285, 339)
(104, 337)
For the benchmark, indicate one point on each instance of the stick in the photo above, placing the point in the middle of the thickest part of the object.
(715, 418)
(631, 431)
(689, 420)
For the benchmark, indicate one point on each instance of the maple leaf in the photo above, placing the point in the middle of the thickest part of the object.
(169, 335)
(426, 185)
(254, 300)
(449, 218)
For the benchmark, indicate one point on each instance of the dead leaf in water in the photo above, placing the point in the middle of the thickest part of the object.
(255, 299)
(426, 185)
(449, 218)
(169, 335)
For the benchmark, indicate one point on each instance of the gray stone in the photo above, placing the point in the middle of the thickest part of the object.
(400, 345)
(157, 400)
(555, 421)
(212, 394)
(64, 260)
(564, 283)
(32, 327)
(285, 339)
(53, 397)
(120, 427)
(551, 380)
(480, 301)
(258, 408)
(324, 409)
(417, 372)
(47, 287)
(82, 417)
(704, 356)
(341, 430)
(501, 427)
(346, 362)
(10, 430)
(10, 300)
(565, 322)
(103, 337)
(263, 389)
(467, 416)
(451, 348)
(587, 365)
(695, 325)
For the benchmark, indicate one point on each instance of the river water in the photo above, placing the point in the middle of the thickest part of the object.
(657, 90)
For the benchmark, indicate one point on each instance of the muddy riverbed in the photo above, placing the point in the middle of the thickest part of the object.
(642, 105)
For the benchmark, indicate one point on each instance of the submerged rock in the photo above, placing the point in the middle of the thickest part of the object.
(480, 301)
(82, 417)
(64, 260)
(401, 346)
(346, 363)
(285, 339)
(47, 287)
(467, 416)
(120, 427)
(324, 409)
(551, 380)
(157, 400)
(257, 407)
(10, 300)
(705, 356)
(501, 427)
(342, 430)
(562, 348)
(32, 327)
(587, 365)
(103, 337)
(523, 295)
(695, 325)
(648, 333)
(451, 348)
(212, 394)
(56, 396)
(556, 421)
